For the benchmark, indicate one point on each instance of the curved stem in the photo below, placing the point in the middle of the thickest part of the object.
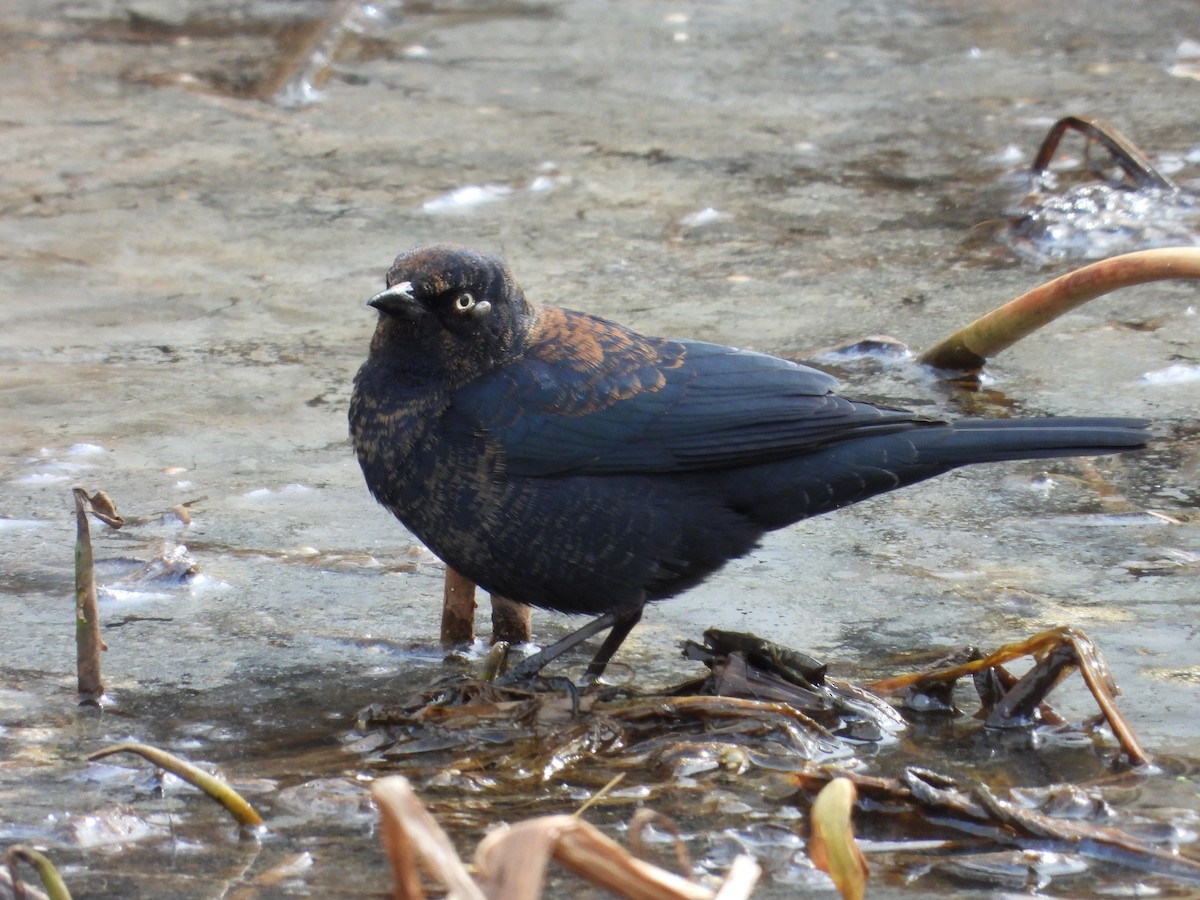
(210, 784)
(52, 881)
(970, 347)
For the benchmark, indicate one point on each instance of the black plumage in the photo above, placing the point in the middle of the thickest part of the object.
(567, 462)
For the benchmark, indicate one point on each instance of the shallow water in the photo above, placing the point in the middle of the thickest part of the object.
(183, 292)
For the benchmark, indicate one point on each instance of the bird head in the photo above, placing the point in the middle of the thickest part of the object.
(449, 309)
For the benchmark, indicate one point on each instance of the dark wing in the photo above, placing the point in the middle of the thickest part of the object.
(595, 398)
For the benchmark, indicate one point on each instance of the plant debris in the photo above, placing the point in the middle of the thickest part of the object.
(511, 861)
(1034, 821)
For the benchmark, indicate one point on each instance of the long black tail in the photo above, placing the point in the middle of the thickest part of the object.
(865, 465)
(996, 440)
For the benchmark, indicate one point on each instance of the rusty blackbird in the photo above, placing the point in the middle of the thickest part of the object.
(569, 463)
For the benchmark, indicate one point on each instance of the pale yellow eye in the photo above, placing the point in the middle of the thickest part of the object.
(464, 302)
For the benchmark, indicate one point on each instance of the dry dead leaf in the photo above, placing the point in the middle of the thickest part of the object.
(512, 861)
(832, 847)
(103, 508)
(405, 825)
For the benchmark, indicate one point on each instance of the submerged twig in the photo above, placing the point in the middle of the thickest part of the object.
(703, 707)
(599, 795)
(237, 806)
(643, 819)
(967, 349)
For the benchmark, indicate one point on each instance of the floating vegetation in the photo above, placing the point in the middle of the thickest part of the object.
(773, 721)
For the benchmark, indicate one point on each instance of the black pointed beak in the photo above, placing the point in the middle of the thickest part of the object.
(398, 301)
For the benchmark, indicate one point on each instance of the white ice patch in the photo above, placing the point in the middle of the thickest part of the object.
(8, 525)
(112, 596)
(42, 478)
(85, 450)
(706, 216)
(547, 182)
(1011, 155)
(267, 497)
(1187, 60)
(1179, 373)
(466, 198)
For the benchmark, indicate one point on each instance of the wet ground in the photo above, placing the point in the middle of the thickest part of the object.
(183, 285)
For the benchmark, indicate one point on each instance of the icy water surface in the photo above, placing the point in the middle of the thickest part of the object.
(195, 209)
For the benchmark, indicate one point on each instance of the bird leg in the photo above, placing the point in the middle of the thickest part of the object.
(621, 624)
(531, 665)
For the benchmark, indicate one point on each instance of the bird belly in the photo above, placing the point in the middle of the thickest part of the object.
(580, 544)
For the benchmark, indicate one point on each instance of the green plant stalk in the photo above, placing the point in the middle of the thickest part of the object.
(55, 887)
(210, 784)
(494, 661)
(970, 347)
